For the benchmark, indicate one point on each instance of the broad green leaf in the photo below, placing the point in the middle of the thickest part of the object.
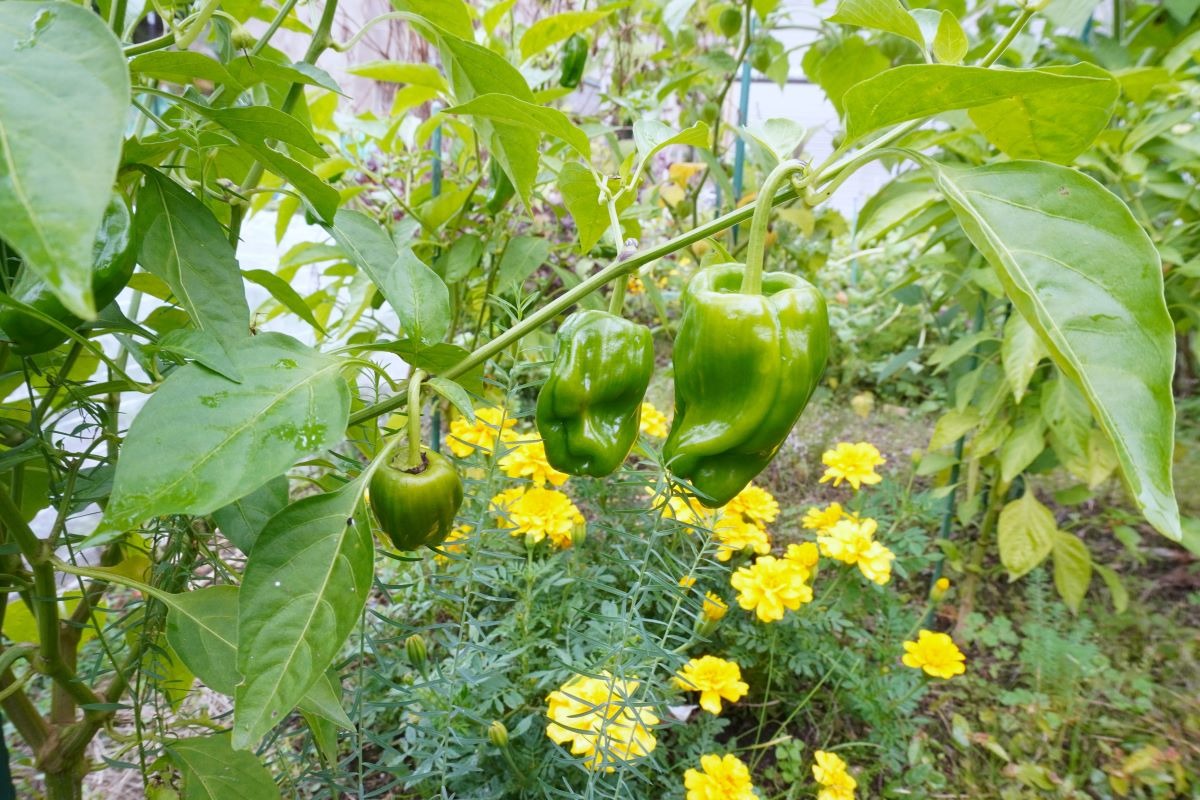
(522, 257)
(551, 30)
(492, 17)
(183, 244)
(581, 195)
(399, 72)
(450, 15)
(531, 116)
(213, 770)
(433, 359)
(182, 66)
(284, 294)
(324, 735)
(1057, 110)
(1021, 447)
(780, 137)
(880, 15)
(456, 394)
(850, 61)
(1072, 569)
(242, 520)
(1083, 273)
(64, 101)
(249, 71)
(952, 426)
(1025, 534)
(950, 42)
(414, 291)
(650, 136)
(1048, 128)
(203, 348)
(202, 441)
(305, 584)
(457, 261)
(1116, 588)
(1020, 351)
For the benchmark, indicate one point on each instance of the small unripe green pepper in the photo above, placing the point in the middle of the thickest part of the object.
(574, 61)
(730, 22)
(745, 366)
(114, 256)
(500, 188)
(590, 408)
(416, 506)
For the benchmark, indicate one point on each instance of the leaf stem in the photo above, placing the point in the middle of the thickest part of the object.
(414, 419)
(998, 50)
(756, 249)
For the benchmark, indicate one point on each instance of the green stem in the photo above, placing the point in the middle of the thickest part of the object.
(998, 50)
(184, 41)
(756, 249)
(617, 302)
(570, 298)
(265, 39)
(414, 419)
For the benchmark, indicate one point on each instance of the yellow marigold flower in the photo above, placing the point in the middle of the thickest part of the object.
(755, 504)
(528, 460)
(940, 587)
(875, 563)
(936, 653)
(804, 556)
(654, 422)
(539, 513)
(597, 717)
(456, 542)
(714, 608)
(830, 771)
(853, 463)
(490, 424)
(821, 519)
(715, 679)
(678, 507)
(848, 540)
(634, 285)
(734, 534)
(770, 586)
(719, 778)
(681, 171)
(687, 581)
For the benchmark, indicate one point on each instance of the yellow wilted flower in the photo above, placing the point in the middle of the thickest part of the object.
(770, 586)
(853, 463)
(715, 679)
(528, 460)
(598, 718)
(490, 424)
(936, 654)
(654, 422)
(719, 778)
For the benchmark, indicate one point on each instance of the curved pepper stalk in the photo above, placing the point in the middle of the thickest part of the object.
(589, 410)
(745, 367)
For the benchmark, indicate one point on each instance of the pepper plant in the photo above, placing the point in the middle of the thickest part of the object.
(206, 123)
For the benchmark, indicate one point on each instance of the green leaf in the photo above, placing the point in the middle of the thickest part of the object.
(1025, 534)
(848, 62)
(1024, 445)
(581, 196)
(212, 770)
(64, 101)
(242, 520)
(433, 359)
(650, 136)
(284, 294)
(531, 116)
(551, 30)
(1020, 351)
(456, 394)
(1058, 111)
(305, 584)
(182, 66)
(950, 42)
(780, 137)
(450, 15)
(523, 256)
(202, 441)
(203, 348)
(880, 15)
(400, 72)
(1116, 588)
(183, 244)
(1083, 273)
(415, 292)
(457, 261)
(249, 71)
(1072, 569)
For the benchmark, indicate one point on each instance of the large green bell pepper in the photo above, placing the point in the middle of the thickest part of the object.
(745, 366)
(416, 506)
(114, 257)
(590, 408)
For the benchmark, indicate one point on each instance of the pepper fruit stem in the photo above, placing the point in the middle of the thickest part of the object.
(755, 251)
(414, 419)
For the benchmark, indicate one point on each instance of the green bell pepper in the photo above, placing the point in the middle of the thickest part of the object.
(745, 366)
(590, 408)
(416, 506)
(574, 61)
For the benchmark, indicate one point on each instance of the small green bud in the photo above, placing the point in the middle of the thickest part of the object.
(498, 734)
(414, 646)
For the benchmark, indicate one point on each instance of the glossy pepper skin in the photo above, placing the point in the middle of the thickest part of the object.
(500, 188)
(574, 61)
(417, 508)
(590, 408)
(745, 366)
(114, 257)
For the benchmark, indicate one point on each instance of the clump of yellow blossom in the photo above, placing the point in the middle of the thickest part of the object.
(634, 285)
(853, 463)
(715, 679)
(821, 519)
(853, 542)
(490, 424)
(654, 422)
(805, 556)
(830, 771)
(719, 778)
(528, 460)
(687, 581)
(598, 718)
(754, 503)
(714, 608)
(936, 653)
(538, 513)
(734, 534)
(770, 586)
(456, 542)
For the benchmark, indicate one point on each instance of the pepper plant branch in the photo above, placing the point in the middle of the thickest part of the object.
(414, 419)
